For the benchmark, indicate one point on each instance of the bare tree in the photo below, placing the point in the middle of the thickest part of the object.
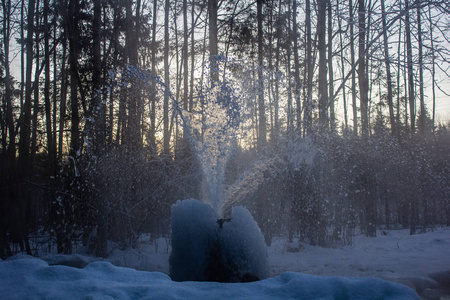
(48, 118)
(352, 57)
(25, 124)
(72, 24)
(11, 148)
(153, 95)
(362, 76)
(309, 70)
(261, 106)
(388, 69)
(423, 113)
(323, 87)
(409, 58)
(213, 50)
(166, 135)
(297, 83)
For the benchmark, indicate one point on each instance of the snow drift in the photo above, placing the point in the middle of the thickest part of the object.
(207, 249)
(31, 278)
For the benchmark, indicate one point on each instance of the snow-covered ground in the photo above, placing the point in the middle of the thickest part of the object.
(421, 262)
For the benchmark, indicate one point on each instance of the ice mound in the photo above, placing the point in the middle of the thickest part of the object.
(207, 249)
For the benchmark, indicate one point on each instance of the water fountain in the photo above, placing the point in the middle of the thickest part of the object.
(205, 245)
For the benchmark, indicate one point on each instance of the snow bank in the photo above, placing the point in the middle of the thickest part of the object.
(205, 249)
(30, 278)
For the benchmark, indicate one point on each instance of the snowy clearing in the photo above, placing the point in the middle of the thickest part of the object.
(29, 278)
(419, 261)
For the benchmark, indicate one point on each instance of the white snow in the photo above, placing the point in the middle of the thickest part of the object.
(396, 257)
(29, 278)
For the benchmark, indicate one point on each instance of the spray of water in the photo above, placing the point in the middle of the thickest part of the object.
(211, 132)
(212, 127)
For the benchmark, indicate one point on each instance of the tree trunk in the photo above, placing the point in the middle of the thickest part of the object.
(8, 154)
(11, 148)
(409, 55)
(330, 68)
(309, 69)
(433, 68)
(388, 70)
(153, 95)
(276, 95)
(166, 80)
(289, 121)
(398, 75)
(72, 23)
(296, 68)
(185, 58)
(362, 76)
(25, 124)
(34, 121)
(48, 118)
(213, 51)
(191, 83)
(261, 106)
(323, 87)
(132, 131)
(97, 130)
(423, 113)
(98, 107)
(352, 56)
(341, 44)
(22, 53)
(63, 101)
(55, 94)
(116, 62)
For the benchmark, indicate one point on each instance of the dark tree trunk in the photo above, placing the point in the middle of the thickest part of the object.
(132, 137)
(362, 76)
(433, 68)
(74, 43)
(341, 44)
(63, 93)
(166, 80)
(48, 108)
(25, 124)
(213, 50)
(97, 131)
(309, 69)
(296, 68)
(323, 86)
(261, 106)
(153, 95)
(423, 113)
(388, 70)
(9, 130)
(352, 56)
(330, 68)
(409, 56)
(185, 59)
(36, 90)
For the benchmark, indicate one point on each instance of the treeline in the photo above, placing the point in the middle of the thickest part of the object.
(93, 145)
(326, 189)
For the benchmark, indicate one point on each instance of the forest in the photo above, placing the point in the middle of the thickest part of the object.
(322, 117)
